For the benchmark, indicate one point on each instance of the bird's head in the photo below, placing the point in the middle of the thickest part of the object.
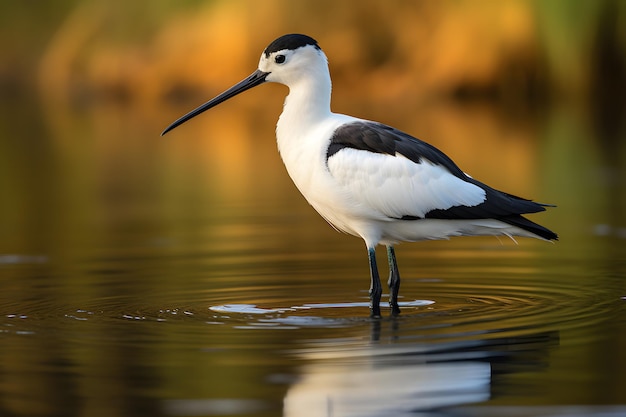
(292, 58)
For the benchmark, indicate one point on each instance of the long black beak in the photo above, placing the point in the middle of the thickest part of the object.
(256, 78)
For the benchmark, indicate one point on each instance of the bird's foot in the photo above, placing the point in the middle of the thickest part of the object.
(395, 309)
(375, 311)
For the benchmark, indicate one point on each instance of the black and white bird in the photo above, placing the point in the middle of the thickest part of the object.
(368, 179)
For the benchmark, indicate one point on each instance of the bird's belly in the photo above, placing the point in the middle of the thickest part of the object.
(337, 207)
(332, 201)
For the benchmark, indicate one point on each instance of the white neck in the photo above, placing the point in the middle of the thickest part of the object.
(308, 102)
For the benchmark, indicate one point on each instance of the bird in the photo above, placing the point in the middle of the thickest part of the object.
(368, 179)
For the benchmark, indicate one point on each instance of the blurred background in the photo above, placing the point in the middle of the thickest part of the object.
(516, 91)
(512, 90)
(102, 221)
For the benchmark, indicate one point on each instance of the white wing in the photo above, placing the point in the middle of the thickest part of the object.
(397, 187)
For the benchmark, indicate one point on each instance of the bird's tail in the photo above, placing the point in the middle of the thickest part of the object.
(532, 227)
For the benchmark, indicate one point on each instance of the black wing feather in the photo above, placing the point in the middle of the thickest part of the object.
(380, 138)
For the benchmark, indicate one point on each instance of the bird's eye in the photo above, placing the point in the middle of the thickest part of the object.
(279, 59)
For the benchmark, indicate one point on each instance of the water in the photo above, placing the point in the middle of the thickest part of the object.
(185, 276)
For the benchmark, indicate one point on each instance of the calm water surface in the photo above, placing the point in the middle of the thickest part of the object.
(185, 276)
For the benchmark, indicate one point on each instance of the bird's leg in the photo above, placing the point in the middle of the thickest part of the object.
(375, 288)
(394, 281)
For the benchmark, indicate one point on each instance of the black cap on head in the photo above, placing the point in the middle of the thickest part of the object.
(291, 41)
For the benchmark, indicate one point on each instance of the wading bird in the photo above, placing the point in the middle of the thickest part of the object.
(369, 179)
